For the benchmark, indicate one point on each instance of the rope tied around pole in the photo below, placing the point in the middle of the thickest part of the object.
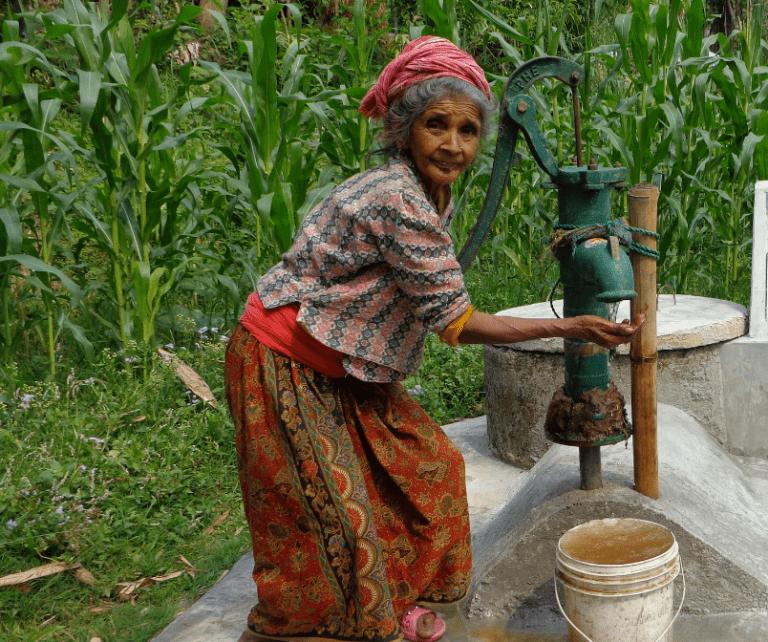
(572, 235)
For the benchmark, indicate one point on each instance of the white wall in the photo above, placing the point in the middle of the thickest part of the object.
(758, 315)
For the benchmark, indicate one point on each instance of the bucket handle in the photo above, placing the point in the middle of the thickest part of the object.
(586, 637)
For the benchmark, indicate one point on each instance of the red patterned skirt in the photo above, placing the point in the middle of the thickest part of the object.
(355, 499)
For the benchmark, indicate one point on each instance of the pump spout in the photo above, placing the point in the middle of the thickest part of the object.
(594, 270)
(597, 274)
(593, 275)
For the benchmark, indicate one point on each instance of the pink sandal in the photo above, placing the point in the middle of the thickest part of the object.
(411, 618)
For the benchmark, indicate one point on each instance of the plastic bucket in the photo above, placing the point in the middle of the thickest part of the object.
(618, 577)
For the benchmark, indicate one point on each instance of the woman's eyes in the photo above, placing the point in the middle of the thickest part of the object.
(467, 130)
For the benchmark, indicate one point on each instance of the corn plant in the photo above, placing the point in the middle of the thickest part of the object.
(274, 131)
(742, 83)
(641, 110)
(692, 121)
(441, 19)
(38, 185)
(136, 210)
(661, 103)
(527, 212)
(345, 136)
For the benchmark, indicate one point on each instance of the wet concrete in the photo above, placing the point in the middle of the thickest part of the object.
(726, 627)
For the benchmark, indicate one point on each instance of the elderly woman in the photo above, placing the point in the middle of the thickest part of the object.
(354, 496)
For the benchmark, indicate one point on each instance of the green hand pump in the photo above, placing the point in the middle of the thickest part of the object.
(588, 411)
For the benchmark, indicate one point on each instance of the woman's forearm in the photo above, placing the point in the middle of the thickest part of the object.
(482, 327)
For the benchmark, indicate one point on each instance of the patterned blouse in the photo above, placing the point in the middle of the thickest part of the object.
(374, 270)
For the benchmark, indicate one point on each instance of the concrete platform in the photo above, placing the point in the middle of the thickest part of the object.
(716, 504)
(682, 321)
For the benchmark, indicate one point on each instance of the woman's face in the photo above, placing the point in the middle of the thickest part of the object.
(444, 140)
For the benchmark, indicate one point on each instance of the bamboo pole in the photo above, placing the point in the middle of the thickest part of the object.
(642, 214)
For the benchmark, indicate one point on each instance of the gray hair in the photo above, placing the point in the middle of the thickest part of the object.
(417, 98)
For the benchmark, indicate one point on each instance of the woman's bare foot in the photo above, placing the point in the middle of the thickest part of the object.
(421, 624)
(425, 625)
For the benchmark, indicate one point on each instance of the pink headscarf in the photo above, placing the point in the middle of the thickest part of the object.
(425, 57)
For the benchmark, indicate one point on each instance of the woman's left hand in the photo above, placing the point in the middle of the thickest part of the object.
(606, 333)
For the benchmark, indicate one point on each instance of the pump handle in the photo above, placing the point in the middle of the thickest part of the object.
(518, 112)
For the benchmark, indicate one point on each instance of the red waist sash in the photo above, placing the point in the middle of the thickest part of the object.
(278, 329)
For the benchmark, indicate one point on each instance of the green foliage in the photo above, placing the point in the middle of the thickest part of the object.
(661, 103)
(138, 197)
(136, 202)
(690, 121)
(141, 198)
(33, 191)
(114, 182)
(271, 108)
(451, 388)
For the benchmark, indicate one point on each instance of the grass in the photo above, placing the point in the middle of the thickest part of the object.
(122, 471)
